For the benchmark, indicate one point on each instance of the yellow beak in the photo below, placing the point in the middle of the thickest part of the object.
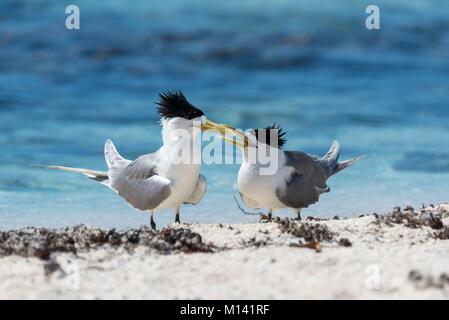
(233, 141)
(210, 125)
(224, 130)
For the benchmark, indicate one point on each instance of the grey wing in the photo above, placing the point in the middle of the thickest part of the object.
(307, 182)
(139, 184)
(199, 191)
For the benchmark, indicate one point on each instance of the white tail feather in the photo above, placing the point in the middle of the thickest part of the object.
(98, 176)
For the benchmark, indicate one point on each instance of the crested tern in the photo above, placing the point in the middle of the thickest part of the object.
(297, 180)
(160, 180)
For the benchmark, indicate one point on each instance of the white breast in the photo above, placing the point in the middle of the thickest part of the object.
(182, 174)
(262, 188)
(184, 178)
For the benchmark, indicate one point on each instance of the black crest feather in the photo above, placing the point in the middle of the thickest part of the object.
(173, 104)
(266, 138)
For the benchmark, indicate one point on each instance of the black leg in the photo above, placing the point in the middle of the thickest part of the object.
(299, 215)
(177, 220)
(152, 224)
(270, 213)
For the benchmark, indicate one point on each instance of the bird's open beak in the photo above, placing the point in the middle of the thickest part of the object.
(225, 130)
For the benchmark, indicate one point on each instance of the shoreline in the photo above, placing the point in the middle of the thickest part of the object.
(402, 254)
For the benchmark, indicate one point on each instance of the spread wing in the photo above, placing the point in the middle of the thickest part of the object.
(199, 191)
(307, 182)
(139, 184)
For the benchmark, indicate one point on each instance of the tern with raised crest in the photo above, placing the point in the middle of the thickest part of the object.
(160, 180)
(297, 180)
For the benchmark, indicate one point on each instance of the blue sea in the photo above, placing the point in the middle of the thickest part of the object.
(311, 66)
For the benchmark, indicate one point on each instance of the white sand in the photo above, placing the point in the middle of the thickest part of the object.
(377, 266)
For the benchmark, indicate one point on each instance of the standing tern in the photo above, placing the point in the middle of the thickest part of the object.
(161, 179)
(298, 179)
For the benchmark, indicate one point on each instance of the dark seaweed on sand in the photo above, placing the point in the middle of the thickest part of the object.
(42, 242)
(411, 219)
(425, 218)
(312, 233)
(443, 234)
(308, 231)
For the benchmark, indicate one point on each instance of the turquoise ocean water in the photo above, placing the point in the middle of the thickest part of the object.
(310, 65)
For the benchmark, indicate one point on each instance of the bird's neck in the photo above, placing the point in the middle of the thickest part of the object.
(179, 143)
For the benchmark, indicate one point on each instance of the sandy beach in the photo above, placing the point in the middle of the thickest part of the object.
(401, 254)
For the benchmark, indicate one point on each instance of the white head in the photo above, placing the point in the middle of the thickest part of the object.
(180, 118)
(262, 147)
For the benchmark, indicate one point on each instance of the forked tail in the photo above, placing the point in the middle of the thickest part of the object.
(347, 163)
(332, 157)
